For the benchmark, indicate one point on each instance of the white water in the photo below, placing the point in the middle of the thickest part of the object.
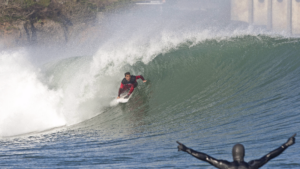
(26, 105)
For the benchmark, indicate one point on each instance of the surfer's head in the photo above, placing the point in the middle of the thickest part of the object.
(238, 152)
(127, 76)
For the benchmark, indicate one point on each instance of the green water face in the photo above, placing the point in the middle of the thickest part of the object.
(210, 96)
(233, 83)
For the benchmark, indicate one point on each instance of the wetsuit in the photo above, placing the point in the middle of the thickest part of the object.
(238, 153)
(131, 84)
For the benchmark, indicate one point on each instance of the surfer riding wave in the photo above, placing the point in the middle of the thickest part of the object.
(129, 82)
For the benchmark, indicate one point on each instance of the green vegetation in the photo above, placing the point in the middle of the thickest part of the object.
(29, 3)
(10, 18)
(62, 11)
(44, 3)
(11, 27)
(113, 7)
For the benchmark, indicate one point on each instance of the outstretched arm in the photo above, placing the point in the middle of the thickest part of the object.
(141, 77)
(204, 157)
(262, 161)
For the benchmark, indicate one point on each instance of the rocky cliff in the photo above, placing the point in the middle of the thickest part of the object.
(24, 22)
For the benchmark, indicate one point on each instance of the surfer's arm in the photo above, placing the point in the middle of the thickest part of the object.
(140, 77)
(131, 89)
(262, 161)
(204, 157)
(120, 89)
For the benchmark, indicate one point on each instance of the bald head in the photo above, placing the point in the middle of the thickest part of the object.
(238, 152)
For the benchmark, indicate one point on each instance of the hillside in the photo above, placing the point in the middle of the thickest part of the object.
(40, 21)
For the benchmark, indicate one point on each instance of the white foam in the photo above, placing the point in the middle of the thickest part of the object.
(26, 104)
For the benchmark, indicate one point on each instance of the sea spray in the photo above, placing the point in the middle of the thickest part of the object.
(26, 104)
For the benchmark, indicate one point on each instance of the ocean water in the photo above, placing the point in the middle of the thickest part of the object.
(209, 86)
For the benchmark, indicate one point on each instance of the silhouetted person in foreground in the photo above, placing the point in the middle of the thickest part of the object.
(238, 153)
